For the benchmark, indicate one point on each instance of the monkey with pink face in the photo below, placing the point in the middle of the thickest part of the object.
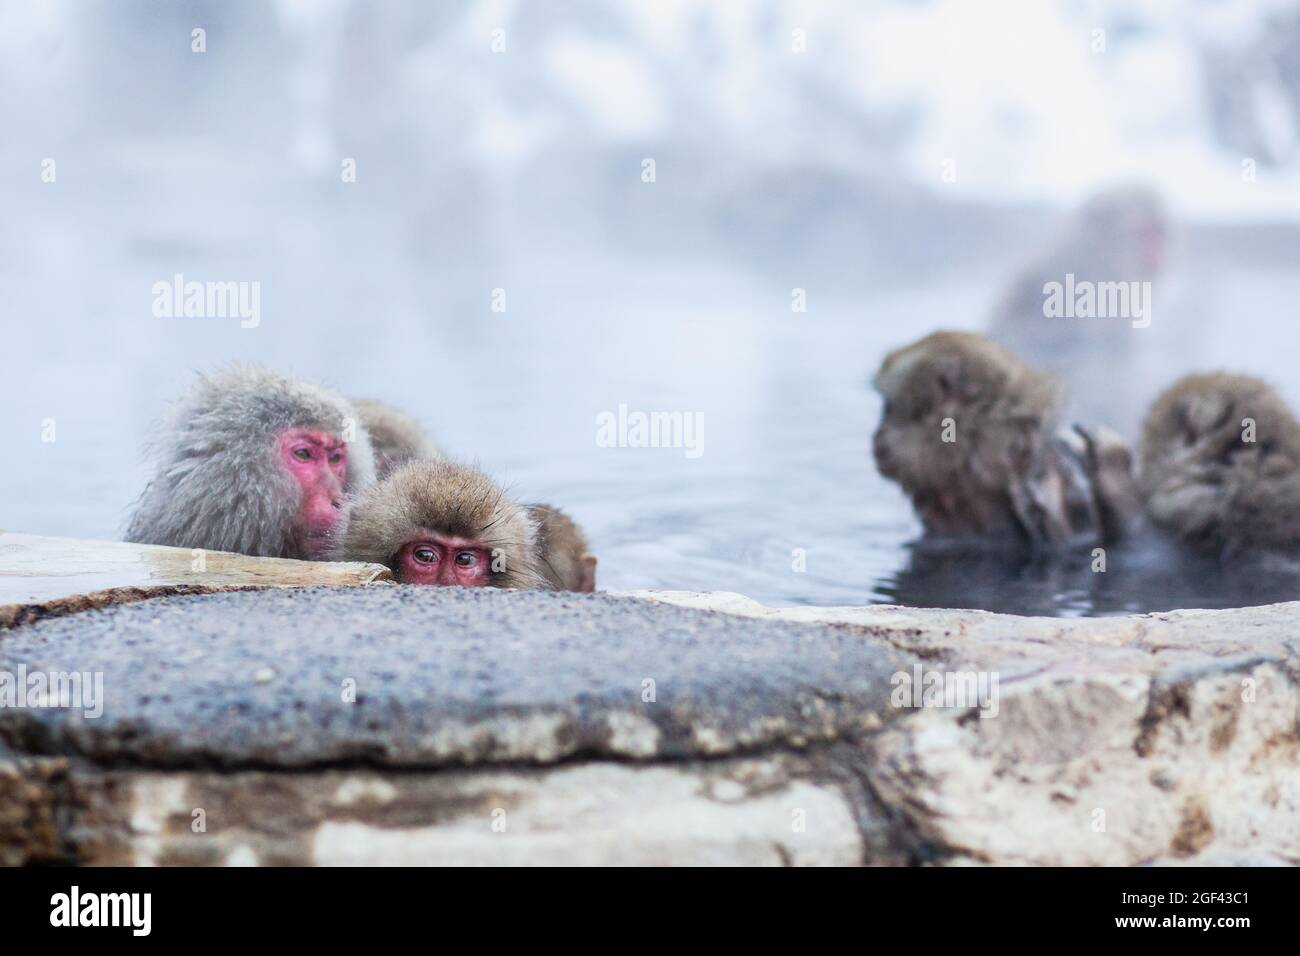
(433, 521)
(438, 522)
(255, 463)
(259, 464)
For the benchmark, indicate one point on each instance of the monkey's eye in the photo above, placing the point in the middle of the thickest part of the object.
(424, 555)
(302, 454)
(466, 559)
(336, 457)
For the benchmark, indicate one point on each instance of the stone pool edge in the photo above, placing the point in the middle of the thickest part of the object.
(1153, 739)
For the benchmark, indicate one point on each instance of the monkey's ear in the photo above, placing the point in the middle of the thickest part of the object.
(588, 581)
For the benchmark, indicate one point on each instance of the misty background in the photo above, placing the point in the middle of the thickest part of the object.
(898, 160)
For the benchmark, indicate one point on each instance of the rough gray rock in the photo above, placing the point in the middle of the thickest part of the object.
(501, 727)
(442, 676)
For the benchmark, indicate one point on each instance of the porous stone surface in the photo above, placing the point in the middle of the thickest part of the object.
(425, 677)
(518, 728)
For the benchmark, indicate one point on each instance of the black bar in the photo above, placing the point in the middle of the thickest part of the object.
(929, 904)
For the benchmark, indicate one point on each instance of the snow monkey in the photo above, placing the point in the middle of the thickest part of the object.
(970, 433)
(396, 437)
(1084, 309)
(1119, 235)
(1221, 466)
(256, 463)
(561, 553)
(438, 522)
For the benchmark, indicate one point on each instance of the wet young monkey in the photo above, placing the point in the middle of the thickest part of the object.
(971, 434)
(438, 522)
(1221, 466)
(256, 463)
(562, 554)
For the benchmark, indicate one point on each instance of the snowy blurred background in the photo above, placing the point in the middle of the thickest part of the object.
(898, 160)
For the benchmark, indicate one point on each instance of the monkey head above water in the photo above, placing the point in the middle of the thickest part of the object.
(395, 436)
(970, 433)
(1221, 466)
(1119, 235)
(1122, 232)
(438, 522)
(255, 463)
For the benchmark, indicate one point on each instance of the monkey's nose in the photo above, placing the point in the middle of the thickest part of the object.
(337, 503)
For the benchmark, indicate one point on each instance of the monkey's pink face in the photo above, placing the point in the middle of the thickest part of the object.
(443, 559)
(318, 462)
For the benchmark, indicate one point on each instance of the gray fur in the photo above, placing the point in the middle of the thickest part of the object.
(1107, 241)
(1101, 243)
(219, 483)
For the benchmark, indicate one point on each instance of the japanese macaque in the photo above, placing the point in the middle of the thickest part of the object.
(396, 437)
(1119, 235)
(1083, 308)
(438, 522)
(256, 463)
(970, 433)
(1221, 467)
(564, 557)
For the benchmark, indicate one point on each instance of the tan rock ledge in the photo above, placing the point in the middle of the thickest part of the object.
(1136, 643)
(391, 724)
(43, 576)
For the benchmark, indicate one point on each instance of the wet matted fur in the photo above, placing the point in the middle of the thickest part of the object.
(1011, 472)
(450, 499)
(1209, 487)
